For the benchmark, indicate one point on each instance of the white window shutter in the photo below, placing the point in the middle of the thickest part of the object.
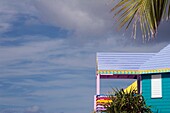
(156, 86)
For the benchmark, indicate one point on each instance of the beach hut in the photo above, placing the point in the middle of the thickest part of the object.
(151, 70)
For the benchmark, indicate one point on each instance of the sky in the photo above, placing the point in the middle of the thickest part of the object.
(48, 53)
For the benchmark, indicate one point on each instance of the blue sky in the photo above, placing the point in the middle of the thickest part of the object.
(47, 53)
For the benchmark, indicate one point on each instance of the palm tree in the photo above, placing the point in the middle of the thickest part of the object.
(146, 13)
(127, 102)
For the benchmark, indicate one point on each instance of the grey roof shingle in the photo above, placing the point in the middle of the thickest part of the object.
(134, 63)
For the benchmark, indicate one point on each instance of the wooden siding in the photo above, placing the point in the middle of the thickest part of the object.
(162, 105)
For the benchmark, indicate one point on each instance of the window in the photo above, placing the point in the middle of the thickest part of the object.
(156, 86)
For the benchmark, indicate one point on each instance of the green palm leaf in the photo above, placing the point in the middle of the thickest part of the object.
(148, 13)
(129, 102)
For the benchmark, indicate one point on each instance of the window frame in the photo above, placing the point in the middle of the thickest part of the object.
(156, 86)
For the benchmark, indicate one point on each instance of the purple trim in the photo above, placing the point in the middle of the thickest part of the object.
(123, 76)
(138, 83)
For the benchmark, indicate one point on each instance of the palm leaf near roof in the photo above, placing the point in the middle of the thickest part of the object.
(148, 13)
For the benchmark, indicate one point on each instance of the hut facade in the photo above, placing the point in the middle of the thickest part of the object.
(151, 70)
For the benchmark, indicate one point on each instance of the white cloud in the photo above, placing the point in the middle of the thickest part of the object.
(84, 18)
(39, 57)
(4, 27)
(9, 12)
(89, 20)
(13, 101)
(33, 109)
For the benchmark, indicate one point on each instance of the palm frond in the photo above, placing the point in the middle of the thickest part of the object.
(168, 12)
(148, 13)
(127, 102)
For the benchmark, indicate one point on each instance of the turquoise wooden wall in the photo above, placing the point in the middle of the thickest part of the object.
(160, 105)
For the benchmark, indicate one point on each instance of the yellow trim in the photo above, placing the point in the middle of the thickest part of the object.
(104, 101)
(133, 71)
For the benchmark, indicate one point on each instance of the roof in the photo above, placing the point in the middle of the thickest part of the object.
(160, 60)
(133, 63)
